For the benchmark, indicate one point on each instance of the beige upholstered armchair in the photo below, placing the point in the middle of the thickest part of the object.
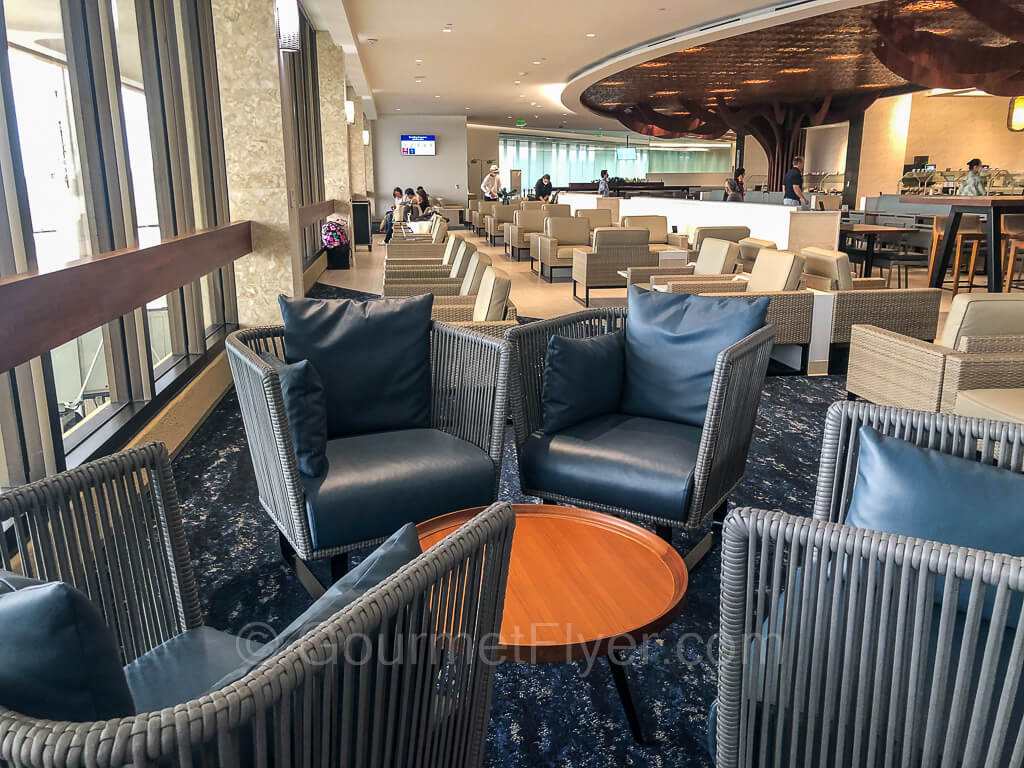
(562, 234)
(491, 311)
(494, 224)
(548, 210)
(480, 215)
(530, 205)
(422, 254)
(471, 207)
(614, 249)
(749, 248)
(776, 274)
(981, 347)
(556, 209)
(598, 217)
(731, 233)
(912, 312)
(716, 260)
(517, 237)
(660, 238)
(413, 282)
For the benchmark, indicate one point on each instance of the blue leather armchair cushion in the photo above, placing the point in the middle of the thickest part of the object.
(378, 482)
(58, 659)
(631, 462)
(373, 357)
(904, 489)
(185, 667)
(303, 392)
(672, 345)
(402, 547)
(582, 379)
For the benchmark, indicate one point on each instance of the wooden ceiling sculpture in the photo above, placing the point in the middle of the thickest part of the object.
(774, 82)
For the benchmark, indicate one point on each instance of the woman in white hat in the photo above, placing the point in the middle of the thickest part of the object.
(491, 185)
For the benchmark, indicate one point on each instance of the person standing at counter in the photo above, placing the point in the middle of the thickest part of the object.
(973, 185)
(542, 189)
(793, 184)
(734, 187)
(603, 187)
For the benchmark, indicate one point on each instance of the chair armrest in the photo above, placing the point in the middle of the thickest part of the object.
(547, 248)
(460, 312)
(495, 328)
(679, 240)
(529, 346)
(788, 311)
(469, 375)
(447, 287)
(412, 249)
(698, 284)
(987, 370)
(889, 368)
(909, 311)
(976, 344)
(643, 275)
(729, 423)
(416, 271)
(868, 283)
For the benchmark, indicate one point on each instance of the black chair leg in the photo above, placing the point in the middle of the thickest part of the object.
(306, 577)
(664, 531)
(711, 539)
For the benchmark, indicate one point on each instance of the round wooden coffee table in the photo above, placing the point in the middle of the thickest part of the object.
(581, 584)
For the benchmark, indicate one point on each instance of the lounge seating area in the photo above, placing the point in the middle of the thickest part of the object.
(636, 389)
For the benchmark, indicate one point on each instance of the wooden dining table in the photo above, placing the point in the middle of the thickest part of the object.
(870, 233)
(994, 207)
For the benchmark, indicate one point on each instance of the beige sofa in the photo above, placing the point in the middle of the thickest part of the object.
(613, 250)
(981, 347)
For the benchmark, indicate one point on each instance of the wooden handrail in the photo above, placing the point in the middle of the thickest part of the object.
(314, 212)
(41, 311)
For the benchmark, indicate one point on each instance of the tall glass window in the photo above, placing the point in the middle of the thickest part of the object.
(576, 161)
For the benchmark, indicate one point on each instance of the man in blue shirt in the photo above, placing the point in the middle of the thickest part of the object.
(603, 187)
(793, 183)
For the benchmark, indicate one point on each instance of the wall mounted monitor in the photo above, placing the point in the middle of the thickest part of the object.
(418, 144)
(625, 153)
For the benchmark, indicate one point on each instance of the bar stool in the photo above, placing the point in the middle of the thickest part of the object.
(970, 231)
(1013, 234)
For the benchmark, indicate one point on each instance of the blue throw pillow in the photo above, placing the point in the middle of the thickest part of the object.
(672, 345)
(905, 489)
(303, 392)
(582, 379)
(402, 547)
(60, 660)
(373, 357)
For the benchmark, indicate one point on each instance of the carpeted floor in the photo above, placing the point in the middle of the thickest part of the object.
(543, 715)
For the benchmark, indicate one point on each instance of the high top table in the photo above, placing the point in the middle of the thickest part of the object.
(581, 585)
(994, 207)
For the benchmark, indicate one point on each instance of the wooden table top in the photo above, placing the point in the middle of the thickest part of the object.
(870, 229)
(578, 581)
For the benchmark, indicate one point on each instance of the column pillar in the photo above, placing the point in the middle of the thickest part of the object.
(248, 68)
(854, 141)
(371, 188)
(333, 128)
(356, 155)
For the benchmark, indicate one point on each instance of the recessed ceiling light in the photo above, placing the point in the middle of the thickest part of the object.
(590, 34)
(535, 63)
(613, 82)
(564, 114)
(447, 28)
(665, 93)
(522, 95)
(653, 64)
(523, 74)
(536, 117)
(437, 96)
(794, 70)
(509, 116)
(467, 107)
(843, 56)
(398, 109)
(419, 61)
(698, 49)
(723, 90)
(754, 82)
(533, 103)
(516, 82)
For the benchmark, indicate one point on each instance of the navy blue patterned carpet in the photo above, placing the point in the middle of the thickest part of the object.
(542, 715)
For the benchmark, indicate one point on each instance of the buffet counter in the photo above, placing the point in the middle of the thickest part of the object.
(790, 228)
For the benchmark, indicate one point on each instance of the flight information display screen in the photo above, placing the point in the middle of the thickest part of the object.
(418, 144)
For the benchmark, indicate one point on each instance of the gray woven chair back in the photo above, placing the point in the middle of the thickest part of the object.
(402, 676)
(110, 523)
(989, 442)
(840, 647)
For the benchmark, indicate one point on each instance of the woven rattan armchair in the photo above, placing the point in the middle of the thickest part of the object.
(725, 437)
(864, 670)
(113, 530)
(452, 264)
(851, 675)
(399, 252)
(468, 401)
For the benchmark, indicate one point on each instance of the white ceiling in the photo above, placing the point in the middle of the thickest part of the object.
(472, 69)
